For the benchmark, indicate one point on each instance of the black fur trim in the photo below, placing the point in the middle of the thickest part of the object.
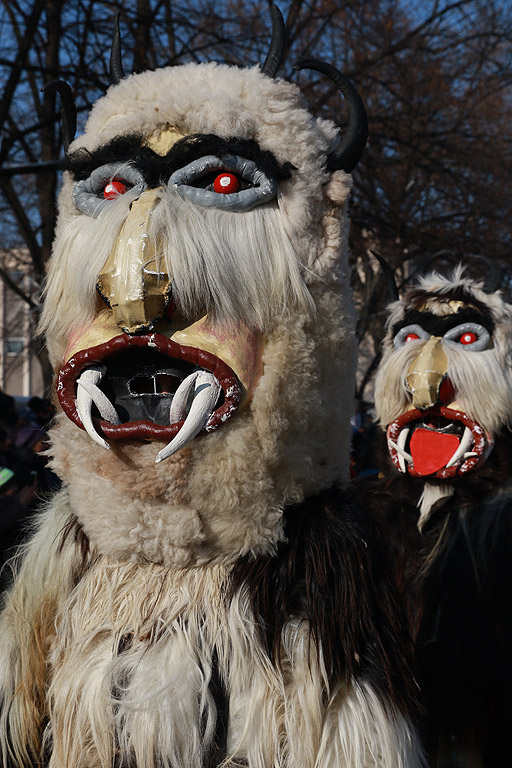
(416, 297)
(331, 572)
(438, 325)
(157, 169)
(456, 580)
(74, 529)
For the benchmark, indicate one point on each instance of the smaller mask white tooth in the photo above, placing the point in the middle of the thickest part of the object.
(465, 443)
(401, 454)
(178, 409)
(84, 408)
(206, 393)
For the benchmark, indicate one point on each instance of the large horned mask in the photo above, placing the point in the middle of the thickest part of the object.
(198, 312)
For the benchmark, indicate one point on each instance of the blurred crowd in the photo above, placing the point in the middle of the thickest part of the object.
(25, 477)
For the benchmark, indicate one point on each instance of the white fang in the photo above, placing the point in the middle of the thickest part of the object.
(179, 401)
(206, 393)
(465, 443)
(401, 454)
(88, 393)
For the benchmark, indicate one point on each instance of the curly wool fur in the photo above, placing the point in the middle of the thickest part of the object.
(144, 681)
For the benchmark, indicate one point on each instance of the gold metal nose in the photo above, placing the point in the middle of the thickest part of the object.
(426, 373)
(131, 281)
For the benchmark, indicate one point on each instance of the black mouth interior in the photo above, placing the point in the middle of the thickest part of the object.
(141, 383)
(435, 423)
(440, 424)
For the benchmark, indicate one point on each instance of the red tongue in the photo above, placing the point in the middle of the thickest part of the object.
(431, 451)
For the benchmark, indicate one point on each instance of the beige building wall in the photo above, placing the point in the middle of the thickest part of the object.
(20, 371)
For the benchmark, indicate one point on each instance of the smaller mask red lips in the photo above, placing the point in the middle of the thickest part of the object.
(423, 443)
(116, 352)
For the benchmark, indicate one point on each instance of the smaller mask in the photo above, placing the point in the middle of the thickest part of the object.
(443, 390)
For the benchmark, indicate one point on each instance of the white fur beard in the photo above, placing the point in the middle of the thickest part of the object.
(432, 497)
(222, 496)
(150, 702)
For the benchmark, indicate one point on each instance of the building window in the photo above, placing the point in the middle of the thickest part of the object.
(13, 346)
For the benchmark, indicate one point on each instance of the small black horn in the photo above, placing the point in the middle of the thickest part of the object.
(348, 153)
(116, 64)
(495, 274)
(389, 275)
(67, 110)
(275, 52)
(422, 267)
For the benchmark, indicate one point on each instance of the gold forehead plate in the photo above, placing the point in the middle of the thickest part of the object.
(162, 141)
(449, 307)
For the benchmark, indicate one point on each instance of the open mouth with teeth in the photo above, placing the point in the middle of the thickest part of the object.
(437, 442)
(147, 387)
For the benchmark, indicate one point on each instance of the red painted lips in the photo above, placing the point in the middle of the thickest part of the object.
(144, 428)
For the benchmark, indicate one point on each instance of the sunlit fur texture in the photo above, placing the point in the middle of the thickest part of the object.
(138, 654)
(148, 659)
(478, 377)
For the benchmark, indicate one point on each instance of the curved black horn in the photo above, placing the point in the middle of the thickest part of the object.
(116, 64)
(495, 274)
(493, 271)
(348, 153)
(67, 110)
(425, 264)
(275, 52)
(389, 275)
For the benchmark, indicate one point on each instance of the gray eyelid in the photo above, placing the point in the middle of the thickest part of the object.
(399, 339)
(85, 192)
(480, 344)
(265, 188)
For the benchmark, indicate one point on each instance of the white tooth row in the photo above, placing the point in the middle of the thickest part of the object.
(206, 394)
(461, 452)
(399, 447)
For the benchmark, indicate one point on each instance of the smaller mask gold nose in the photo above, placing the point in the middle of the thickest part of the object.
(131, 281)
(426, 374)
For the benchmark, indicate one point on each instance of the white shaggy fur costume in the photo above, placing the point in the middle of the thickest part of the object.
(123, 639)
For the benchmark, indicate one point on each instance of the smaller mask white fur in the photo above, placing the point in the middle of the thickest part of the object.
(482, 380)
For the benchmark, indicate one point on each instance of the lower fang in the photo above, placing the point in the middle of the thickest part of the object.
(401, 452)
(206, 394)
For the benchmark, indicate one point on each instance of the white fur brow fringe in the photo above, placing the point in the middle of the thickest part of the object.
(236, 268)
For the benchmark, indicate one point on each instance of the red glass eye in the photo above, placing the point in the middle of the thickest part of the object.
(411, 337)
(114, 188)
(226, 183)
(468, 338)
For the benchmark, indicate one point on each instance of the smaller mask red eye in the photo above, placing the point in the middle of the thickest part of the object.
(468, 338)
(114, 188)
(411, 337)
(226, 183)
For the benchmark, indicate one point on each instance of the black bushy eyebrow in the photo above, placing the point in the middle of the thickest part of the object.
(157, 169)
(438, 325)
